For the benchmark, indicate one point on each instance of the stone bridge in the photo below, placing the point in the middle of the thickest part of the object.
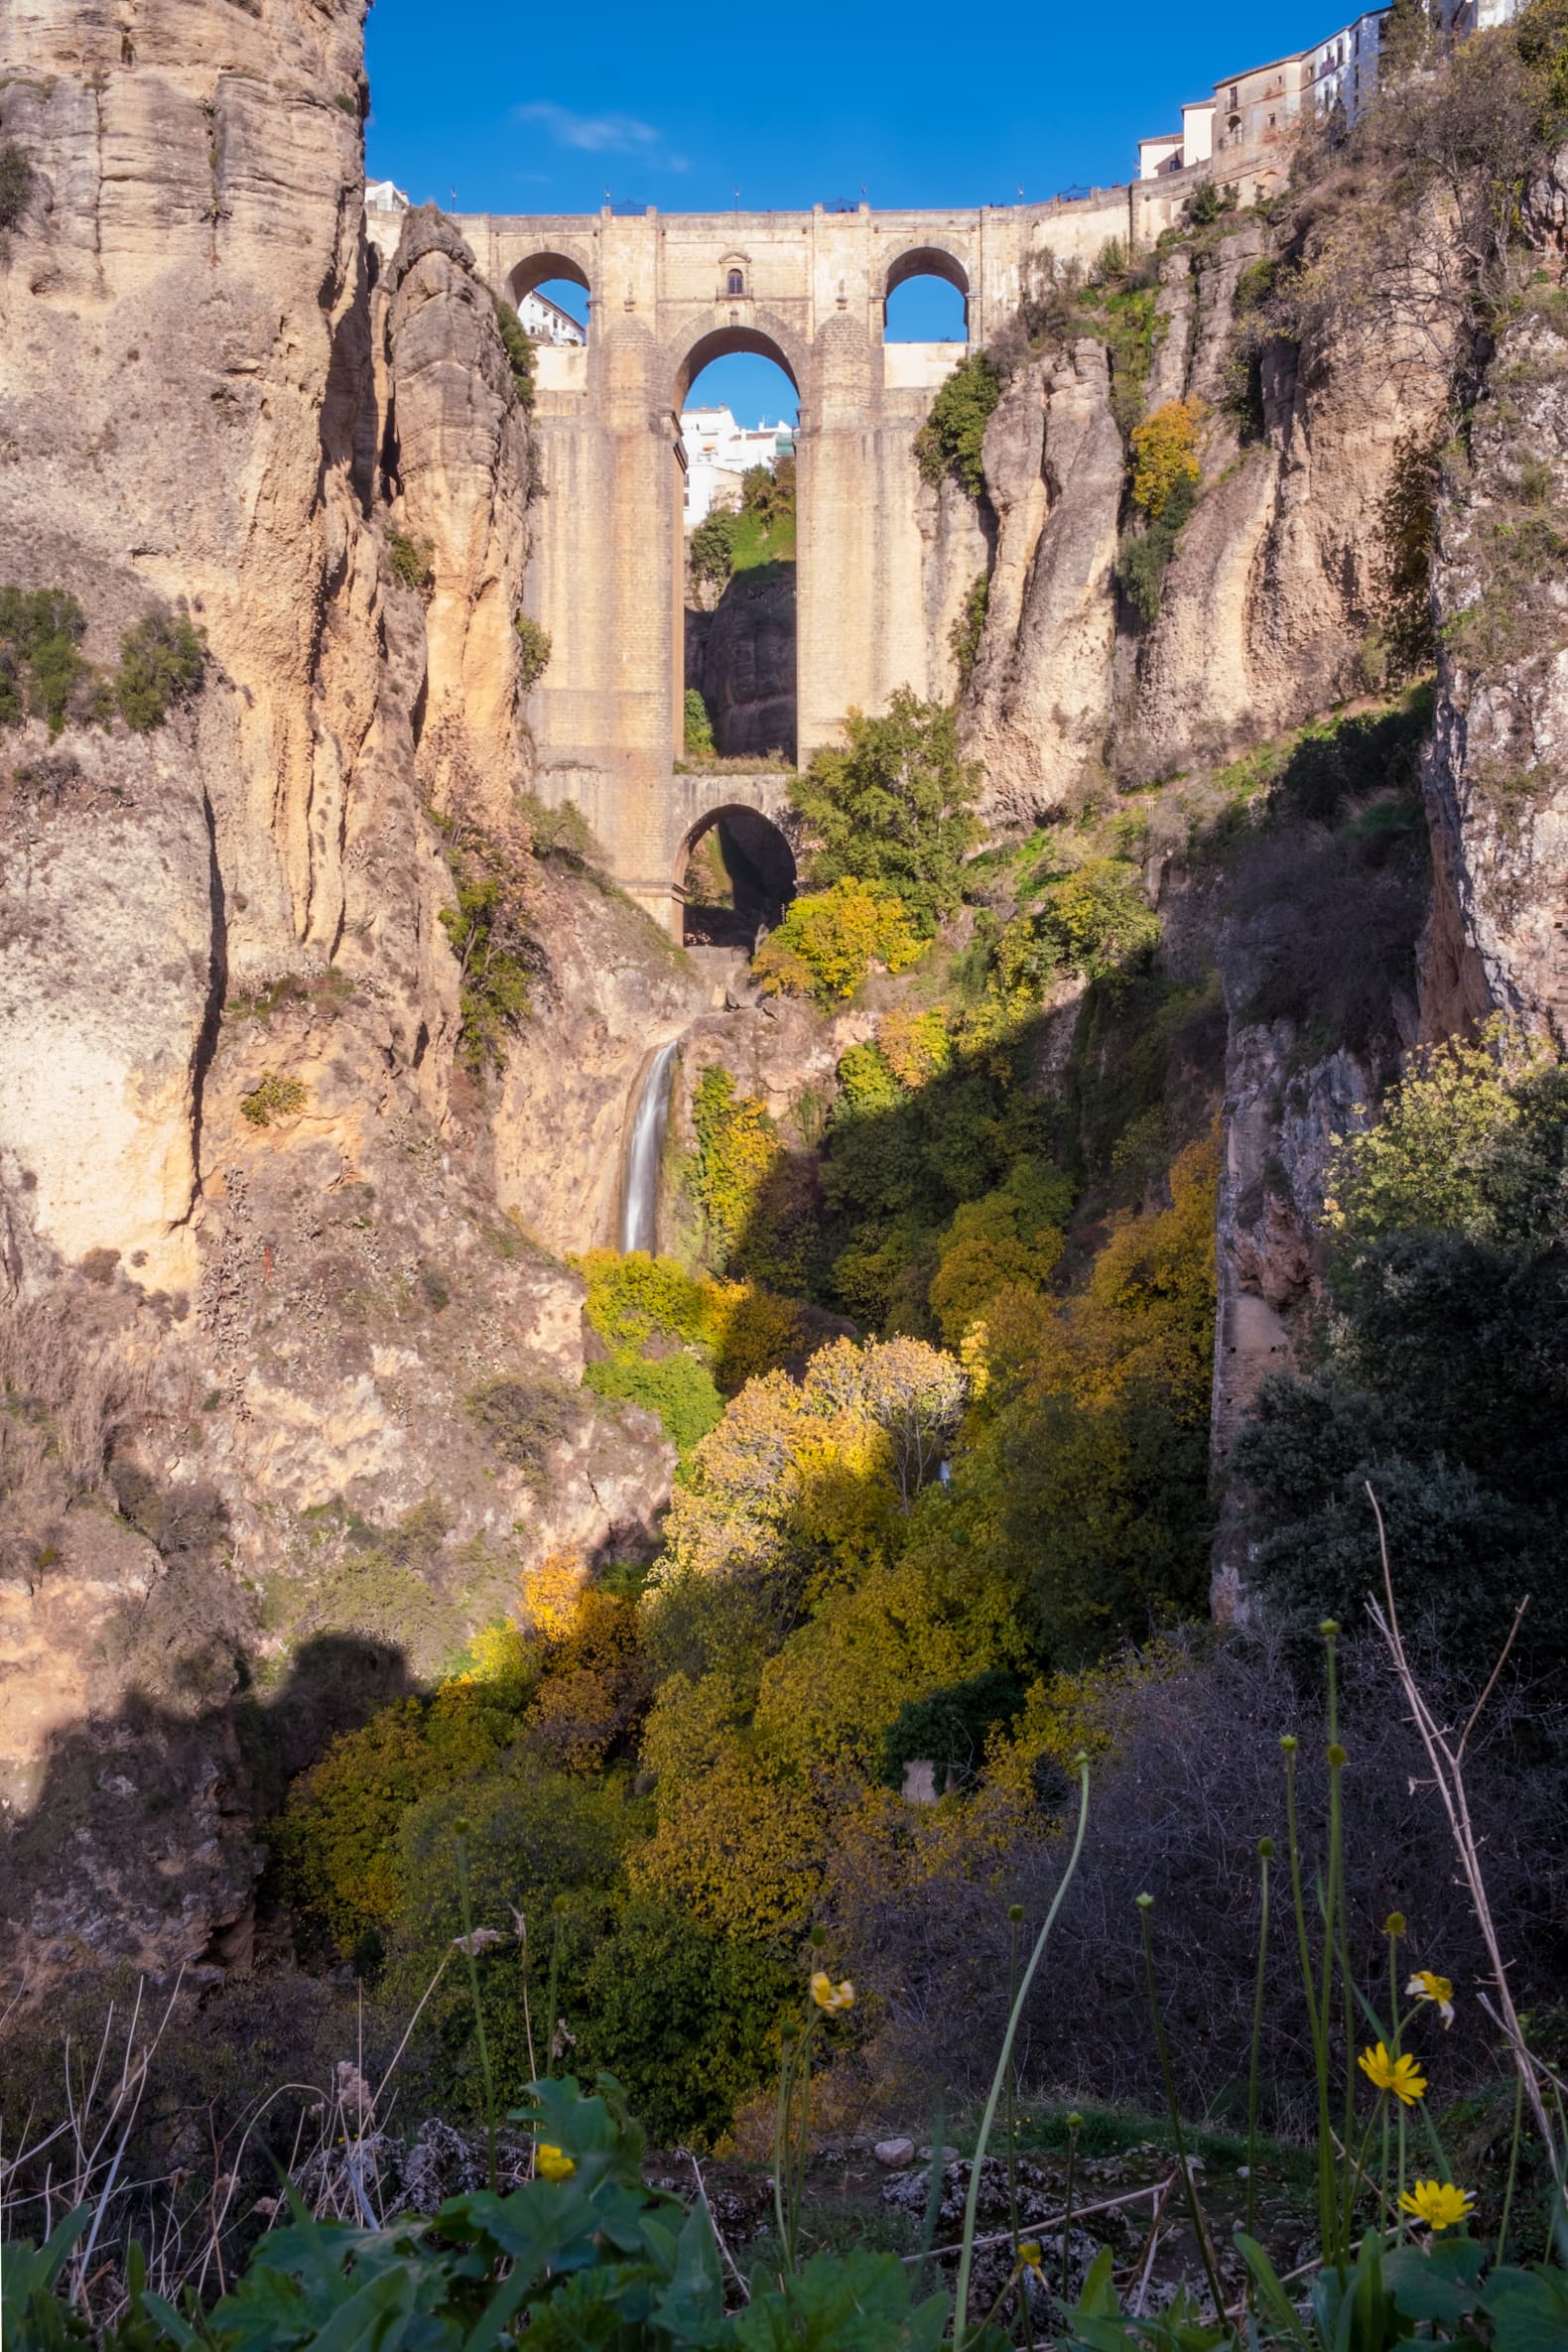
(668, 294)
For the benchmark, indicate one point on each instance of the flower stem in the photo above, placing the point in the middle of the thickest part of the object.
(1320, 2055)
(1258, 2035)
(1200, 2230)
(1014, 1915)
(1074, 2127)
(478, 2007)
(1513, 2161)
(967, 2250)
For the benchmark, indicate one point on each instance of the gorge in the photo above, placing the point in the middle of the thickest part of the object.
(502, 1217)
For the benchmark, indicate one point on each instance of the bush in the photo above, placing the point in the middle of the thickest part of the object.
(1096, 922)
(895, 807)
(970, 627)
(949, 1728)
(524, 1420)
(489, 936)
(712, 548)
(41, 673)
(561, 833)
(533, 650)
(161, 664)
(410, 559)
(698, 726)
(15, 182)
(1143, 555)
(953, 437)
(829, 939)
(676, 1388)
(1165, 454)
(519, 351)
(275, 1096)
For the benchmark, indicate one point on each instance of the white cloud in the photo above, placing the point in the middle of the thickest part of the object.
(595, 134)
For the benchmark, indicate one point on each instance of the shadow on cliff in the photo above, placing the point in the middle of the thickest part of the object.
(140, 1841)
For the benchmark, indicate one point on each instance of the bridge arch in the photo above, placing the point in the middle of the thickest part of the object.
(744, 879)
(535, 268)
(926, 261)
(722, 342)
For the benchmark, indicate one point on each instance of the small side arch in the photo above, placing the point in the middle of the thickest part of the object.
(926, 261)
(537, 268)
(735, 874)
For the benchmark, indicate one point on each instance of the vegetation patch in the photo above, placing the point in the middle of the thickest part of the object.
(411, 560)
(275, 1096)
(519, 350)
(952, 438)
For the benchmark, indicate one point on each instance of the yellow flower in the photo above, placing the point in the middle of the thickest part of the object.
(551, 2163)
(1438, 2202)
(1030, 2253)
(1400, 2076)
(829, 1996)
(1436, 1989)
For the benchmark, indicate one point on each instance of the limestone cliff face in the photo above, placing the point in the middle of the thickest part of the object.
(1267, 604)
(293, 1385)
(456, 461)
(1040, 699)
(1498, 776)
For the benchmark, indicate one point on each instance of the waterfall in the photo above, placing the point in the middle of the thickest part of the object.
(639, 1198)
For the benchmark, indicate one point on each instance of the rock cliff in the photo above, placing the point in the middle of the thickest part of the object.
(289, 1381)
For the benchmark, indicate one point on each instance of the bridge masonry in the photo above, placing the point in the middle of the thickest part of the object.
(668, 294)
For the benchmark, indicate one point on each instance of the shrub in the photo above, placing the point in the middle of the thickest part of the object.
(524, 1420)
(712, 548)
(1143, 555)
(41, 670)
(275, 1096)
(1165, 454)
(410, 559)
(1096, 922)
(894, 807)
(698, 726)
(161, 664)
(1471, 1142)
(685, 2017)
(949, 1729)
(970, 627)
(489, 936)
(533, 650)
(519, 351)
(676, 1388)
(829, 940)
(15, 182)
(561, 833)
(738, 1144)
(953, 437)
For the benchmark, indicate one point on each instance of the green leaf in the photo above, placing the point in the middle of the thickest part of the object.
(1274, 2299)
(1529, 2310)
(1437, 2286)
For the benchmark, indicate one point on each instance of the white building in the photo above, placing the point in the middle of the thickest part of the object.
(718, 453)
(547, 322)
(1254, 110)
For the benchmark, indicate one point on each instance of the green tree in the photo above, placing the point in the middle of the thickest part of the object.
(161, 664)
(895, 807)
(713, 549)
(953, 436)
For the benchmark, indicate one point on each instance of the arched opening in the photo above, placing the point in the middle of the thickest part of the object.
(734, 877)
(926, 298)
(736, 398)
(737, 282)
(550, 293)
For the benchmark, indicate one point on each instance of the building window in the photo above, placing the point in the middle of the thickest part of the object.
(737, 283)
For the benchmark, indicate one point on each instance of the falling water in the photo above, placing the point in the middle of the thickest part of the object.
(639, 1200)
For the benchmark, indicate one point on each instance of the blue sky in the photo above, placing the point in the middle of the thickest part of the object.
(502, 110)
